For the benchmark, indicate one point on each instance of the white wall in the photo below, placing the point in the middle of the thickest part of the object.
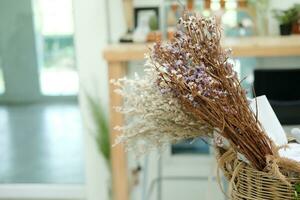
(116, 19)
(145, 3)
(90, 39)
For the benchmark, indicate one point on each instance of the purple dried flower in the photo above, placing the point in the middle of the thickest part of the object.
(178, 63)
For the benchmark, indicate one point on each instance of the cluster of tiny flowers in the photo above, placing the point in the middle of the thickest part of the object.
(154, 117)
(188, 59)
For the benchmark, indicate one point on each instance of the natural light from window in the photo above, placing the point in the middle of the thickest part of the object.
(2, 87)
(58, 74)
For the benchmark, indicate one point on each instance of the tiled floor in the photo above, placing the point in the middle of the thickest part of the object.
(41, 144)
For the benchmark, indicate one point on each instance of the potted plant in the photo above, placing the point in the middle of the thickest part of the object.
(296, 26)
(286, 18)
(100, 132)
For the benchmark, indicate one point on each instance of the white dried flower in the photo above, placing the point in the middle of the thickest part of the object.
(154, 118)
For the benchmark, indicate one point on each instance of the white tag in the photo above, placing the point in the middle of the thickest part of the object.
(292, 151)
(268, 120)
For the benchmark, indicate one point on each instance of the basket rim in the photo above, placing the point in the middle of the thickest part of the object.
(247, 168)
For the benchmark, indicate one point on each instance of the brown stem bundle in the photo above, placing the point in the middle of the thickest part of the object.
(195, 69)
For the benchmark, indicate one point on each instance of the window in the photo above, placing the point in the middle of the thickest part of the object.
(58, 75)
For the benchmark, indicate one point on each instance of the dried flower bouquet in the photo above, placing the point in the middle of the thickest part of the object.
(190, 90)
(195, 68)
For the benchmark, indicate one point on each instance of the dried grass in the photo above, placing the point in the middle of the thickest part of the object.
(154, 120)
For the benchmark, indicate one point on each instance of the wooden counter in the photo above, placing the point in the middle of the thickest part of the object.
(119, 55)
(242, 47)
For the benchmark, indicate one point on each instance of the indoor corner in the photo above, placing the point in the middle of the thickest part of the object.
(149, 100)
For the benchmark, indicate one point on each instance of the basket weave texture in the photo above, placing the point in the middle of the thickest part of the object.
(246, 183)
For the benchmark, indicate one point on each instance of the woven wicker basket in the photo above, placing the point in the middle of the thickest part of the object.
(246, 183)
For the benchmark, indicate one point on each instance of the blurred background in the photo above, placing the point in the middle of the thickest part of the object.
(55, 61)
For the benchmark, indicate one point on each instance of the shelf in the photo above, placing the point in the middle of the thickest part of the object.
(271, 46)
